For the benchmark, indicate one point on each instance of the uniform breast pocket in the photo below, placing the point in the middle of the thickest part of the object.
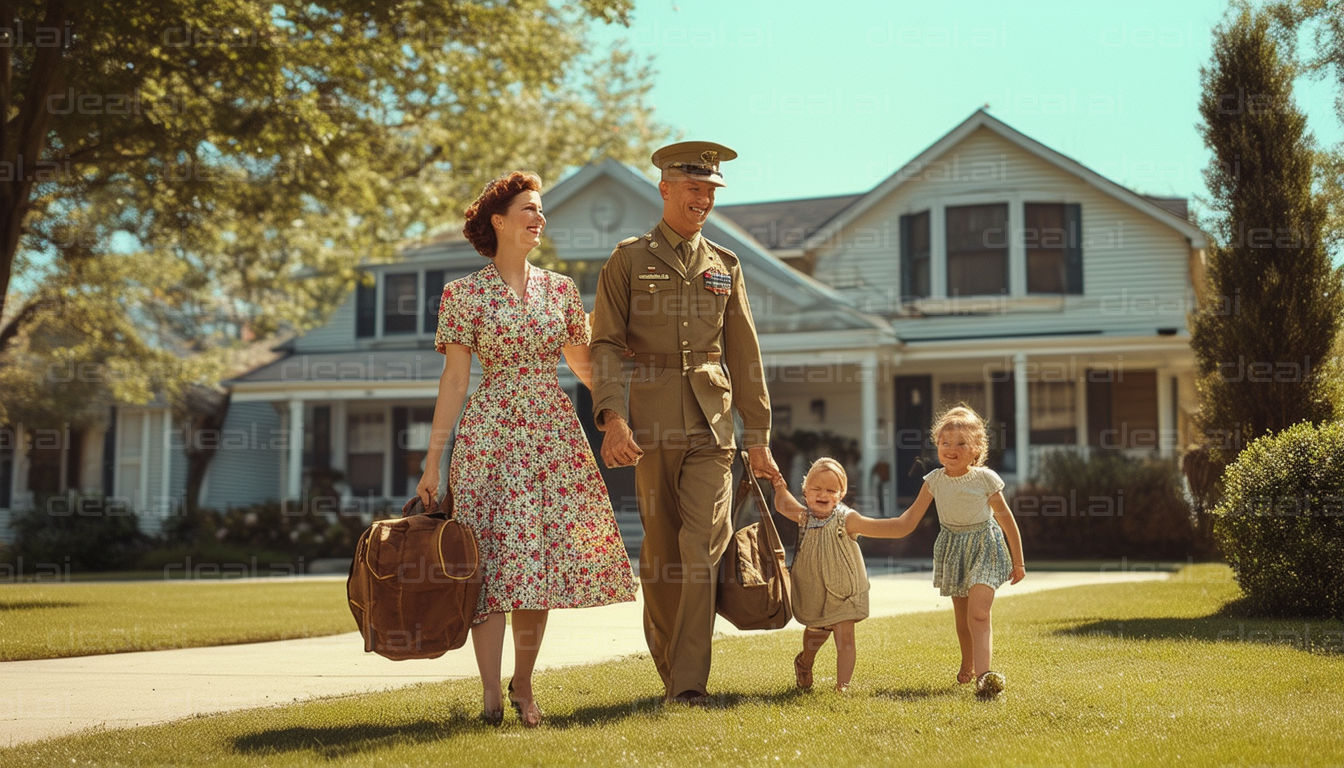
(648, 302)
(709, 302)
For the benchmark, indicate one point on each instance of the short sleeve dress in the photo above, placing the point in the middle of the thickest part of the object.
(830, 582)
(522, 473)
(970, 548)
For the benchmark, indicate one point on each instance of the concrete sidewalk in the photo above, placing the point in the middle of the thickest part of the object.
(52, 697)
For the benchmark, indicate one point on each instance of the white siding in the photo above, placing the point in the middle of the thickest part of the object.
(337, 333)
(589, 224)
(1135, 276)
(245, 470)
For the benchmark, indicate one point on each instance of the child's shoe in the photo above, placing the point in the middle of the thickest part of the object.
(989, 685)
(802, 675)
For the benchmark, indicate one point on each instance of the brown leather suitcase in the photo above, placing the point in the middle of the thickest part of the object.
(414, 583)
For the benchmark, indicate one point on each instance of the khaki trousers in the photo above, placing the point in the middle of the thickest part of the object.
(684, 486)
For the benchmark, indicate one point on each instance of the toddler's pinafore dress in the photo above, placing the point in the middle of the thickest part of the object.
(830, 583)
(970, 548)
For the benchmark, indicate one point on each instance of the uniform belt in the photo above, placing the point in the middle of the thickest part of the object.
(660, 362)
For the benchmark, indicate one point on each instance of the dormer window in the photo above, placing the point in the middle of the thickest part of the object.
(400, 304)
(977, 250)
(1015, 249)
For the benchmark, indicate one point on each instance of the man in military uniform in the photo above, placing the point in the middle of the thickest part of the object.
(678, 302)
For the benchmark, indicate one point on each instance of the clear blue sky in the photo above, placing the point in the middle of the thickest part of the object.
(824, 98)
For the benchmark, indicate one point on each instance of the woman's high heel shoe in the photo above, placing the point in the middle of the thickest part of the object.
(533, 717)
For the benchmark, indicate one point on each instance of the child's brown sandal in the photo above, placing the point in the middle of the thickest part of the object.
(802, 675)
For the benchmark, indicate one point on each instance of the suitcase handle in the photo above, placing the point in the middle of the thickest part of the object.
(414, 506)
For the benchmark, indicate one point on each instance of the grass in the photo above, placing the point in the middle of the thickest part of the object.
(45, 621)
(1150, 673)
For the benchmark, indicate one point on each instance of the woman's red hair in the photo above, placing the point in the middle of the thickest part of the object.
(495, 198)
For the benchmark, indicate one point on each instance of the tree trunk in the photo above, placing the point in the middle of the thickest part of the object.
(202, 442)
(23, 139)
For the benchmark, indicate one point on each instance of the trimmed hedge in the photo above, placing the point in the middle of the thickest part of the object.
(78, 534)
(1281, 521)
(1107, 505)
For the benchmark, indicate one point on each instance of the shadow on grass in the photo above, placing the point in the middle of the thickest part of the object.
(33, 605)
(922, 693)
(653, 706)
(1233, 622)
(346, 740)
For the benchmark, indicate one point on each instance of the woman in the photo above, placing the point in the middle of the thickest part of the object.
(522, 473)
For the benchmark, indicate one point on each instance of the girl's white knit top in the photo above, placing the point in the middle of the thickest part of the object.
(964, 501)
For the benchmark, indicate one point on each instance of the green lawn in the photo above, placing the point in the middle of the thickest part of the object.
(1123, 675)
(44, 621)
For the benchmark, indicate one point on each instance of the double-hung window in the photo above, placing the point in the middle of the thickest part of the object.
(977, 249)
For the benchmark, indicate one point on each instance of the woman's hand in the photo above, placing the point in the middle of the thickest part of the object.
(1019, 573)
(428, 488)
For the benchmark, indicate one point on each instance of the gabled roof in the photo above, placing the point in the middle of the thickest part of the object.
(982, 119)
(785, 224)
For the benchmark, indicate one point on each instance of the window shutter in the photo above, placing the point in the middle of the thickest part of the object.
(907, 259)
(366, 310)
(1073, 253)
(433, 297)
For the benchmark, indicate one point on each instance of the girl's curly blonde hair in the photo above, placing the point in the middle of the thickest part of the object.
(827, 464)
(966, 421)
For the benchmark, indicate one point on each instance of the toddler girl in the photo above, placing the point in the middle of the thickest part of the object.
(978, 548)
(830, 584)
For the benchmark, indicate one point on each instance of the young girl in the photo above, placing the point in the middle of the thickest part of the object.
(978, 548)
(830, 584)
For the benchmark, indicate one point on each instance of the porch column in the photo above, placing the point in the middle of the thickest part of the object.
(1022, 409)
(293, 484)
(1080, 414)
(1166, 427)
(165, 487)
(141, 502)
(868, 439)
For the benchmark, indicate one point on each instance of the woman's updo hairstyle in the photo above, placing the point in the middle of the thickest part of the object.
(495, 198)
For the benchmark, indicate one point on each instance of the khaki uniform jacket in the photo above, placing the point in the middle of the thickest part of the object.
(649, 303)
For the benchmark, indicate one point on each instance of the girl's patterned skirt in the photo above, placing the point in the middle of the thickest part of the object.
(964, 556)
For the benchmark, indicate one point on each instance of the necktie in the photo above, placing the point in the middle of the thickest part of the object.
(684, 252)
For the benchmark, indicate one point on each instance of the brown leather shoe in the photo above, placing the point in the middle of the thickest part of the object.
(691, 699)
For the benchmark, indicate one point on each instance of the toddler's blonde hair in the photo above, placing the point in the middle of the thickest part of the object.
(827, 464)
(965, 420)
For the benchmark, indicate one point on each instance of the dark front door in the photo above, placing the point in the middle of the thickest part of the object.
(914, 416)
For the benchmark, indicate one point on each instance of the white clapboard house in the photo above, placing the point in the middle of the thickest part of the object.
(990, 270)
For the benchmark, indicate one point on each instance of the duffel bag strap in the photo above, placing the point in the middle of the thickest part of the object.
(750, 489)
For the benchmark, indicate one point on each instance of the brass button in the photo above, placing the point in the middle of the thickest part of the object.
(687, 282)
(685, 343)
(684, 323)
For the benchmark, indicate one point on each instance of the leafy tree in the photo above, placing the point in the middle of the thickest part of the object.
(181, 177)
(1324, 22)
(1264, 335)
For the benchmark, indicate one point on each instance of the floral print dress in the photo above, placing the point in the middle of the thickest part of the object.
(522, 473)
